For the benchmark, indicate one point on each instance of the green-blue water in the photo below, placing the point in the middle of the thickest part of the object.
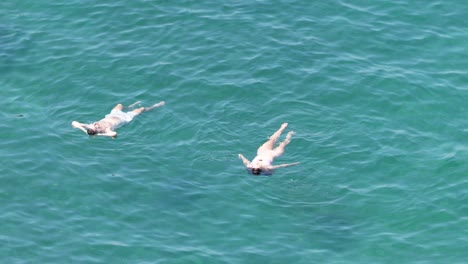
(376, 92)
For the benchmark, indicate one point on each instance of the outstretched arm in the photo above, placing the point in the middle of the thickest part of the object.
(283, 165)
(80, 126)
(244, 160)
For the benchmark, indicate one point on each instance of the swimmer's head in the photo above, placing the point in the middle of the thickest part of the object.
(91, 131)
(256, 171)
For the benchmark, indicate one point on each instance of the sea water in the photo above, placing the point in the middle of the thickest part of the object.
(376, 92)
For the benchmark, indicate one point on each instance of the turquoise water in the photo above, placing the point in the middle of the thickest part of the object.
(376, 92)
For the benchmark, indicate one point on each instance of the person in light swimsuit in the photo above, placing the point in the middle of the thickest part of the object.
(262, 163)
(115, 119)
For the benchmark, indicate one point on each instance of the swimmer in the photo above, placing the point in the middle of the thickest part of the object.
(115, 119)
(261, 164)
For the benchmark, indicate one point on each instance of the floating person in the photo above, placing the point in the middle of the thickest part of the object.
(115, 119)
(262, 163)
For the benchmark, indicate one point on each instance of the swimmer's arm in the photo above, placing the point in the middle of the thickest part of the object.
(244, 160)
(80, 126)
(108, 133)
(283, 165)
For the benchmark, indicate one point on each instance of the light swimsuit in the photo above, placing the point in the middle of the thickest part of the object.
(113, 120)
(124, 117)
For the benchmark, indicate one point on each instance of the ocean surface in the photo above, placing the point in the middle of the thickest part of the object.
(376, 92)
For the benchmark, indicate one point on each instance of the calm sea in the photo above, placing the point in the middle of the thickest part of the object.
(376, 92)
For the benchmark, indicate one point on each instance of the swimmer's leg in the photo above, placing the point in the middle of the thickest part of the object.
(133, 105)
(278, 151)
(138, 111)
(144, 109)
(272, 140)
(155, 106)
(118, 107)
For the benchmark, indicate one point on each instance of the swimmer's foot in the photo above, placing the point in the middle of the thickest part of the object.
(287, 140)
(277, 134)
(159, 104)
(289, 135)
